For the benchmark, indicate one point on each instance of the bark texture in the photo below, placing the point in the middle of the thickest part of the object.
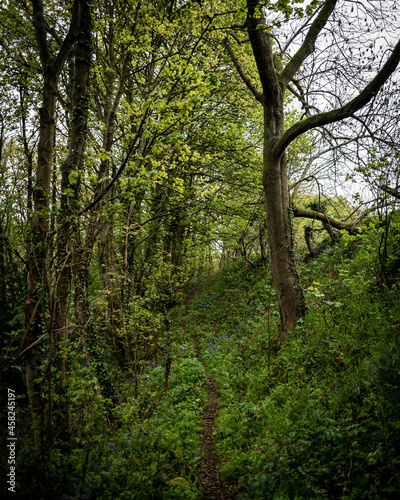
(275, 182)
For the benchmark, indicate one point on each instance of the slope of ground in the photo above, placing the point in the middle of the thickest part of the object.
(318, 417)
(225, 412)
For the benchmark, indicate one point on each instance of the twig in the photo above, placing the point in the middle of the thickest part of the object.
(30, 347)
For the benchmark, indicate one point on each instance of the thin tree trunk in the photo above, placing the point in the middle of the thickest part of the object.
(70, 187)
(38, 251)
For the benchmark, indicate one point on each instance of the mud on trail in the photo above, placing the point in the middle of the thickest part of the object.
(213, 488)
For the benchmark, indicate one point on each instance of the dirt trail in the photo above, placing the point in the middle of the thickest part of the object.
(214, 489)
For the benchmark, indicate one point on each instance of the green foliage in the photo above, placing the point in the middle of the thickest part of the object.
(135, 448)
(320, 419)
(317, 417)
(121, 417)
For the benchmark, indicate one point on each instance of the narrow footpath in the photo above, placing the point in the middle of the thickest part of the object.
(214, 489)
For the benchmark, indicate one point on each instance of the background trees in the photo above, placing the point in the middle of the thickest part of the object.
(119, 150)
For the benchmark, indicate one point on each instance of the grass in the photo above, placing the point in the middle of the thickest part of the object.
(319, 417)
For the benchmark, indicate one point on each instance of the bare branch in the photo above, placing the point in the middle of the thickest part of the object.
(299, 95)
(343, 112)
(309, 43)
(294, 36)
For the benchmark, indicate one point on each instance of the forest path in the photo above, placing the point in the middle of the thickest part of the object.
(214, 489)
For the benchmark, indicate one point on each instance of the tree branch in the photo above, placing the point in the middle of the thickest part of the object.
(299, 95)
(41, 32)
(309, 43)
(71, 36)
(120, 170)
(257, 94)
(390, 190)
(343, 112)
(263, 55)
(41, 29)
(311, 214)
(294, 36)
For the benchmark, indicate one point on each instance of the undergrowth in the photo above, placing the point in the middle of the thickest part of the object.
(318, 417)
(143, 447)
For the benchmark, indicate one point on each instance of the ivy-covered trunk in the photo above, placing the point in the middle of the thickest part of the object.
(38, 283)
(275, 79)
(71, 171)
(279, 217)
(279, 223)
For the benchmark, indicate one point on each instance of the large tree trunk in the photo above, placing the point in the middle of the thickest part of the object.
(274, 80)
(279, 223)
(279, 215)
(38, 252)
(280, 237)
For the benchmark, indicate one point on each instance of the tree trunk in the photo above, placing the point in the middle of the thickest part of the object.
(274, 79)
(38, 253)
(279, 223)
(280, 238)
(70, 187)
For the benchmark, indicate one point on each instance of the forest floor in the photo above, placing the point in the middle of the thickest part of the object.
(214, 489)
(317, 418)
